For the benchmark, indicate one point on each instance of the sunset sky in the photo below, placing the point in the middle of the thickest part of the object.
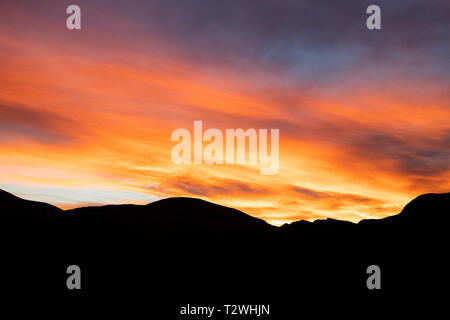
(86, 115)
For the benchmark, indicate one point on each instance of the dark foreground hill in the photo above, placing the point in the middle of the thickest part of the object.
(19, 214)
(182, 250)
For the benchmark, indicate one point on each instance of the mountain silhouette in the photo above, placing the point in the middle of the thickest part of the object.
(173, 215)
(189, 250)
(183, 214)
(19, 214)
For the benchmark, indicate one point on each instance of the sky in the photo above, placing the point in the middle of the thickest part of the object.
(86, 115)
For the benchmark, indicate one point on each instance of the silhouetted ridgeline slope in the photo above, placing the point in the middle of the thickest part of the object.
(426, 213)
(169, 216)
(187, 214)
(18, 214)
(189, 250)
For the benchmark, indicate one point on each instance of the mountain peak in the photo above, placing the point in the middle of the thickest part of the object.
(203, 212)
(426, 206)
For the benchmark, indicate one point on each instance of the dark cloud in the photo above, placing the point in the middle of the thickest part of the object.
(216, 187)
(344, 197)
(267, 24)
(321, 40)
(311, 194)
(409, 151)
(317, 39)
(33, 124)
(334, 200)
(412, 154)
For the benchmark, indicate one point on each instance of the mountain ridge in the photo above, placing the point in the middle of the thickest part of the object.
(182, 252)
(46, 209)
